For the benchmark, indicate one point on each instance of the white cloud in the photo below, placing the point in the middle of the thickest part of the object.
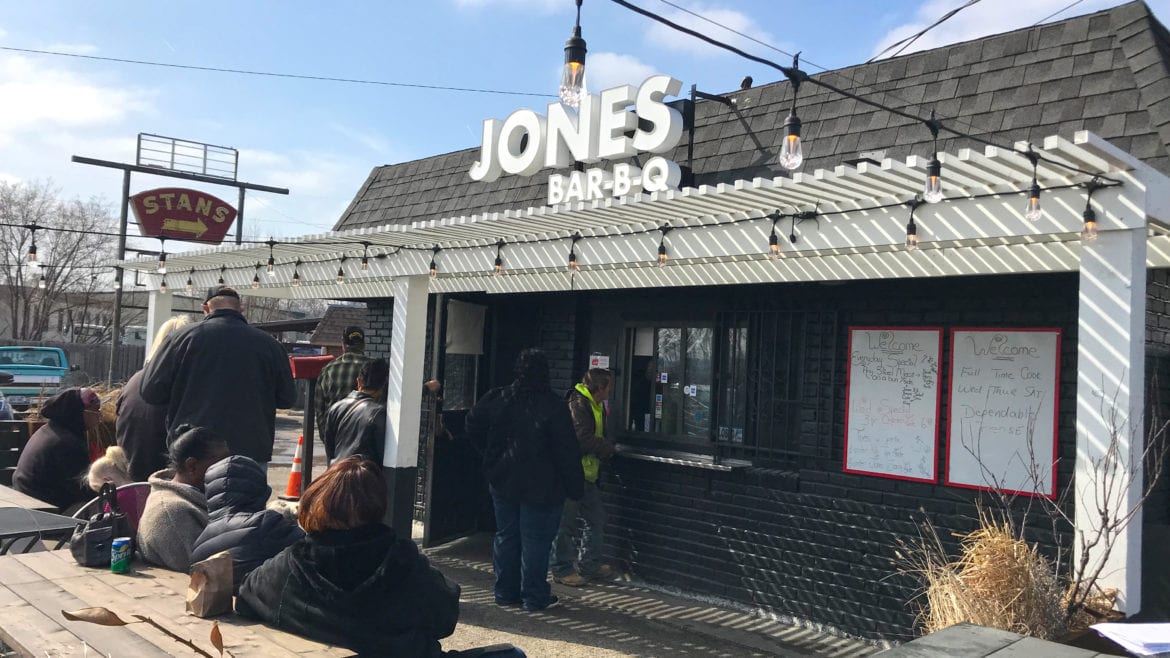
(73, 48)
(42, 98)
(605, 70)
(321, 184)
(979, 20)
(671, 39)
(370, 140)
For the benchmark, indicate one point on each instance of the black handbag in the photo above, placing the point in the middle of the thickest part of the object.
(91, 541)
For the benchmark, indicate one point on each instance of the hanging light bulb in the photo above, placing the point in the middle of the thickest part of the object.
(1032, 210)
(912, 228)
(1089, 231)
(932, 188)
(365, 256)
(574, 267)
(117, 278)
(573, 75)
(221, 270)
(498, 267)
(32, 248)
(256, 280)
(774, 245)
(162, 255)
(191, 283)
(271, 258)
(340, 274)
(434, 266)
(162, 287)
(662, 255)
(42, 283)
(296, 280)
(791, 153)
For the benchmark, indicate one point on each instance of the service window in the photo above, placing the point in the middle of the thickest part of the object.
(672, 369)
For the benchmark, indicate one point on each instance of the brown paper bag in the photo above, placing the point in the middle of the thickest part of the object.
(210, 591)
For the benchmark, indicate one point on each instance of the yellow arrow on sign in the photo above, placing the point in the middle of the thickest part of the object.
(197, 227)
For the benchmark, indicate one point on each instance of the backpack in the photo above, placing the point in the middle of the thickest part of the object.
(91, 541)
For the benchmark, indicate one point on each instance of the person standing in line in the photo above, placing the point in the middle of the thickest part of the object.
(356, 424)
(141, 427)
(531, 463)
(224, 375)
(338, 378)
(587, 408)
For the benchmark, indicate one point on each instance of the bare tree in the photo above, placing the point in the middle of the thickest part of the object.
(70, 250)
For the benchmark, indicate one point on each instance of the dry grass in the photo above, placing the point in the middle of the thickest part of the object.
(101, 437)
(997, 581)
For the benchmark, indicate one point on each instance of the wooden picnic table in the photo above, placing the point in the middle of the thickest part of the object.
(10, 497)
(36, 587)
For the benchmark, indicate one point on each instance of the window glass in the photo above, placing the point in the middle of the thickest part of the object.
(733, 384)
(671, 380)
(459, 378)
(699, 377)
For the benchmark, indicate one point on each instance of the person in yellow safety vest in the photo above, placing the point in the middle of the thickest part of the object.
(587, 407)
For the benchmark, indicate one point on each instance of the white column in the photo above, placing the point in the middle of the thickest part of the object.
(404, 390)
(1110, 392)
(158, 310)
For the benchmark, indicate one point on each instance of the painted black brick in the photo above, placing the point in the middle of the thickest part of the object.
(805, 539)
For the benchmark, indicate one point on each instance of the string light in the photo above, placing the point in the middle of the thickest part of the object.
(296, 280)
(271, 258)
(365, 256)
(32, 247)
(222, 269)
(162, 287)
(573, 266)
(573, 75)
(42, 284)
(191, 282)
(256, 277)
(932, 188)
(791, 153)
(774, 251)
(434, 266)
(162, 255)
(911, 227)
(340, 274)
(498, 268)
(1089, 230)
(1032, 210)
(662, 255)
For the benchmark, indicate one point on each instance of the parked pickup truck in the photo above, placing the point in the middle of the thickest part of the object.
(36, 373)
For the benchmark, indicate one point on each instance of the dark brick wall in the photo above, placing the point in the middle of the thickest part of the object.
(800, 537)
(1158, 312)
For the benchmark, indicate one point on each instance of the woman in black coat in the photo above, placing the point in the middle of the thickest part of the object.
(351, 581)
(237, 491)
(52, 466)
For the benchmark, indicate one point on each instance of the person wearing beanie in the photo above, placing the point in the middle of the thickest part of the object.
(53, 465)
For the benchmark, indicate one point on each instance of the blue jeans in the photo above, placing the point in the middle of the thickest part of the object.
(591, 514)
(524, 537)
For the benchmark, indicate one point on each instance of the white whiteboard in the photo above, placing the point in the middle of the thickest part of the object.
(1003, 408)
(891, 412)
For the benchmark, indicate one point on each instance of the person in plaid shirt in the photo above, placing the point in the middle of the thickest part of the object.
(339, 377)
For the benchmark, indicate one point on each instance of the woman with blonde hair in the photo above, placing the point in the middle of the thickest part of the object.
(141, 427)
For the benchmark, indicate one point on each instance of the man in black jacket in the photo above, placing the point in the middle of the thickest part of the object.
(531, 461)
(356, 424)
(224, 375)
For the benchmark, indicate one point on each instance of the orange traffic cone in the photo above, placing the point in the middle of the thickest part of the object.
(293, 491)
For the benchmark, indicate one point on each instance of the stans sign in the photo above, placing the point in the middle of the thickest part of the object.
(182, 214)
(603, 128)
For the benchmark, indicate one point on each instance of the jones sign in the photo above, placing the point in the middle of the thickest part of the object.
(603, 128)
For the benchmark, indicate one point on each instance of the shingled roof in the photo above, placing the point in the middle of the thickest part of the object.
(1105, 72)
(333, 324)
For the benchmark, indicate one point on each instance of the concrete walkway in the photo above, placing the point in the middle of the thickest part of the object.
(620, 619)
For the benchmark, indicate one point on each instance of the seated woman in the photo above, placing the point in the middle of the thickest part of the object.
(176, 511)
(351, 581)
(237, 489)
(54, 461)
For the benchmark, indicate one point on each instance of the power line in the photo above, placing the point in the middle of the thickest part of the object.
(272, 74)
(839, 74)
(795, 74)
(908, 41)
(1058, 11)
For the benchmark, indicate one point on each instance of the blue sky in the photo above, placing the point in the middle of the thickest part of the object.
(321, 139)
